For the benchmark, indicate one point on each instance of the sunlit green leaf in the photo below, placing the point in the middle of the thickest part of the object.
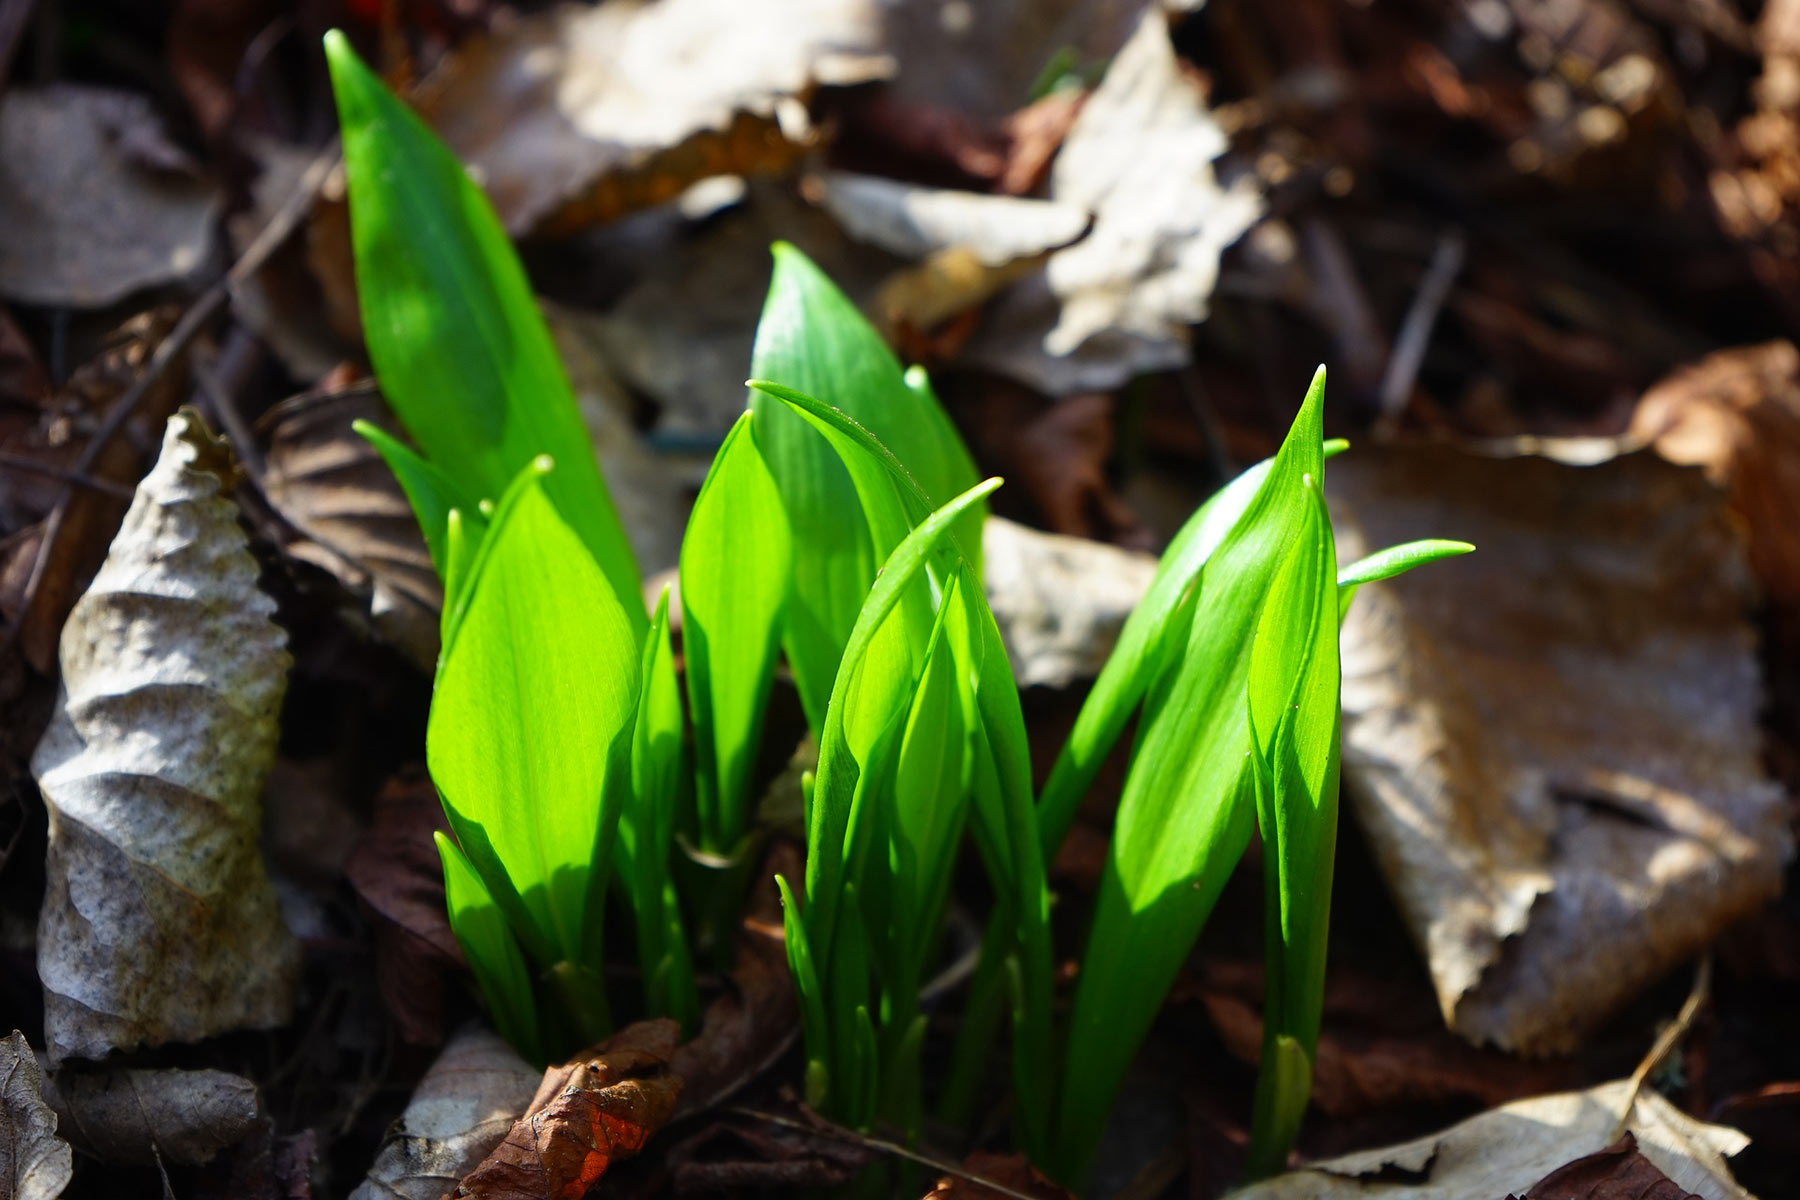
(812, 339)
(1395, 560)
(494, 959)
(537, 685)
(736, 562)
(459, 346)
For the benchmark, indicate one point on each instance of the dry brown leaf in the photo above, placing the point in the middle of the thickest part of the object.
(982, 57)
(397, 875)
(1008, 1170)
(754, 1019)
(35, 1164)
(683, 335)
(1059, 601)
(1509, 1149)
(1118, 302)
(56, 435)
(1553, 743)
(159, 923)
(585, 113)
(1736, 414)
(596, 1110)
(1619, 1172)
(95, 201)
(1383, 1044)
(345, 513)
(141, 1117)
(652, 499)
(459, 1112)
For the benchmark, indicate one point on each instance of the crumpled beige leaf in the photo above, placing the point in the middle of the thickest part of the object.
(1553, 743)
(135, 1116)
(1118, 302)
(159, 923)
(1507, 1150)
(1059, 601)
(95, 201)
(913, 221)
(586, 112)
(35, 1164)
(459, 1112)
(345, 513)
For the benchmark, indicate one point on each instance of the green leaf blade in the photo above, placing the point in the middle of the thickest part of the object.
(452, 326)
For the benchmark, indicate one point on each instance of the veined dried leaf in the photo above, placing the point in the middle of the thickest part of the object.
(142, 1117)
(1553, 746)
(913, 221)
(1509, 1149)
(159, 923)
(35, 1164)
(588, 1114)
(348, 515)
(459, 1112)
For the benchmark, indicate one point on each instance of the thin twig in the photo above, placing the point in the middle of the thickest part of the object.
(1415, 328)
(819, 1125)
(255, 256)
(16, 462)
(1666, 1041)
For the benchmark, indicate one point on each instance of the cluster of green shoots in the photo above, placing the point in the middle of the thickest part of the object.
(838, 531)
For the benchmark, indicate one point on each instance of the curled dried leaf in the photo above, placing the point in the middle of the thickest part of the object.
(159, 923)
(35, 1164)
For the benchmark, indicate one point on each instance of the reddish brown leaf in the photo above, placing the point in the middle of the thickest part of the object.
(1619, 1172)
(398, 879)
(589, 1113)
(1008, 1170)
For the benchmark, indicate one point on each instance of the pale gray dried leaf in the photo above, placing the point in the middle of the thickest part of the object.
(549, 106)
(35, 1164)
(134, 1116)
(462, 1108)
(1118, 302)
(1059, 601)
(1553, 743)
(159, 923)
(683, 335)
(652, 499)
(1507, 1150)
(347, 515)
(912, 221)
(91, 210)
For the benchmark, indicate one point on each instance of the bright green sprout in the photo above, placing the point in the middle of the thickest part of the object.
(558, 737)
(559, 742)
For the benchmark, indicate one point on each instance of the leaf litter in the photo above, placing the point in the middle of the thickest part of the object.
(904, 184)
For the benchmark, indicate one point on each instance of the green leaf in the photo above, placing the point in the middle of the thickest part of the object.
(813, 1025)
(431, 493)
(1293, 704)
(1188, 804)
(494, 959)
(536, 686)
(834, 790)
(647, 830)
(1395, 560)
(736, 561)
(812, 339)
(454, 332)
(1137, 655)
